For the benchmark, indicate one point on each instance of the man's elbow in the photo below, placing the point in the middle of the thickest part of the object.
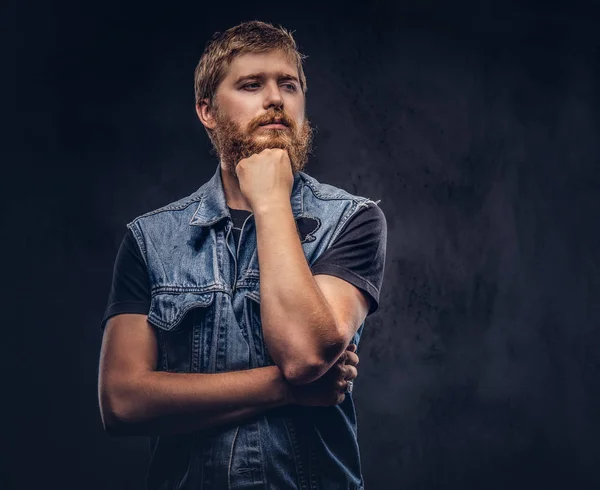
(117, 424)
(117, 410)
(305, 371)
(113, 426)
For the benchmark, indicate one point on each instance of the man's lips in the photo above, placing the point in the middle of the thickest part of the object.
(274, 126)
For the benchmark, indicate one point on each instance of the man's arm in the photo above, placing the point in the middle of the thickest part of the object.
(300, 330)
(348, 274)
(137, 400)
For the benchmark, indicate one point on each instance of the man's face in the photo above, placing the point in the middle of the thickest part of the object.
(261, 88)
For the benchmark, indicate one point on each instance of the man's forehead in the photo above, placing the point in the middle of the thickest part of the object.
(270, 63)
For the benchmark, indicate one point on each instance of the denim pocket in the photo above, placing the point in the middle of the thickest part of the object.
(168, 309)
(184, 329)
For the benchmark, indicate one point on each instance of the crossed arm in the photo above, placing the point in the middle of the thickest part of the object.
(307, 321)
(135, 399)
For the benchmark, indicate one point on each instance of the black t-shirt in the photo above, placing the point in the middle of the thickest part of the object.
(357, 256)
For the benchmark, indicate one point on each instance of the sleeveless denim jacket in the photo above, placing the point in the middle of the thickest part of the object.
(205, 307)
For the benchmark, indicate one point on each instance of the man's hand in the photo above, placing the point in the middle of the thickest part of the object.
(266, 178)
(330, 388)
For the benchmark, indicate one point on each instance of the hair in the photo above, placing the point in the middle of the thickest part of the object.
(248, 37)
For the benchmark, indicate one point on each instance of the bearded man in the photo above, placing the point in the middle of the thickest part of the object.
(242, 375)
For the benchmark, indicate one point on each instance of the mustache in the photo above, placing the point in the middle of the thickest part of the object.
(269, 118)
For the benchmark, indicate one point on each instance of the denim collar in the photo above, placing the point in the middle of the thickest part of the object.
(213, 205)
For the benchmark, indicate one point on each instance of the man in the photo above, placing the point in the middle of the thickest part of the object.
(242, 374)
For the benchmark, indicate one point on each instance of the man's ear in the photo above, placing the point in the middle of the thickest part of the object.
(206, 114)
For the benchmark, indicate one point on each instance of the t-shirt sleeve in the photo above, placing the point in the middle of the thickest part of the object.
(130, 289)
(357, 255)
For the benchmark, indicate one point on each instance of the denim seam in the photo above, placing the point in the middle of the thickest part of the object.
(163, 350)
(292, 436)
(312, 461)
(134, 227)
(246, 329)
(187, 289)
(339, 195)
(156, 320)
(172, 207)
(262, 456)
(220, 339)
(237, 429)
(195, 361)
(343, 220)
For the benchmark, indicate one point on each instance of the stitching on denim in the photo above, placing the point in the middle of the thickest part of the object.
(291, 431)
(220, 344)
(134, 227)
(212, 359)
(341, 195)
(163, 350)
(337, 194)
(251, 273)
(187, 289)
(231, 458)
(309, 237)
(155, 318)
(254, 297)
(196, 353)
(367, 201)
(341, 224)
(313, 465)
(262, 456)
(187, 201)
(363, 202)
(244, 327)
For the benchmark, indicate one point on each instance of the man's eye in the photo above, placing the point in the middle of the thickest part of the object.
(252, 85)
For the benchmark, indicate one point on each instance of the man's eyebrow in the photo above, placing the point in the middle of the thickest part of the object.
(262, 75)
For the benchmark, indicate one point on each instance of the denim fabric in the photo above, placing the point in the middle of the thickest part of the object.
(205, 306)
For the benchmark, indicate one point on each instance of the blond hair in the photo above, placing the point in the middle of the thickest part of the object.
(248, 37)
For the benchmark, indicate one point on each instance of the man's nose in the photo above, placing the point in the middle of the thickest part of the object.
(273, 96)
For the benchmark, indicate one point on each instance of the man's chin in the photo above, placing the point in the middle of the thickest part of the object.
(272, 133)
(274, 140)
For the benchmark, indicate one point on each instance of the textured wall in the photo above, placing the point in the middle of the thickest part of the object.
(475, 123)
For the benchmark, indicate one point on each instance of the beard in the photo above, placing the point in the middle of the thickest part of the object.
(232, 143)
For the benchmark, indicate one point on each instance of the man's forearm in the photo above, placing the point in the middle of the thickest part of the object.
(159, 402)
(298, 326)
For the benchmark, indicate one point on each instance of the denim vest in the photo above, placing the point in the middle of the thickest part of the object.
(205, 305)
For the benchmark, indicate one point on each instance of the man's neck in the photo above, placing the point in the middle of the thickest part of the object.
(233, 195)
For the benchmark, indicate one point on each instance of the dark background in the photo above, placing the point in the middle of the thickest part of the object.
(475, 123)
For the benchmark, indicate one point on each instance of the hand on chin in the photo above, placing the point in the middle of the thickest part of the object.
(266, 177)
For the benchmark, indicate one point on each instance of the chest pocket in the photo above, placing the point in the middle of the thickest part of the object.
(184, 329)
